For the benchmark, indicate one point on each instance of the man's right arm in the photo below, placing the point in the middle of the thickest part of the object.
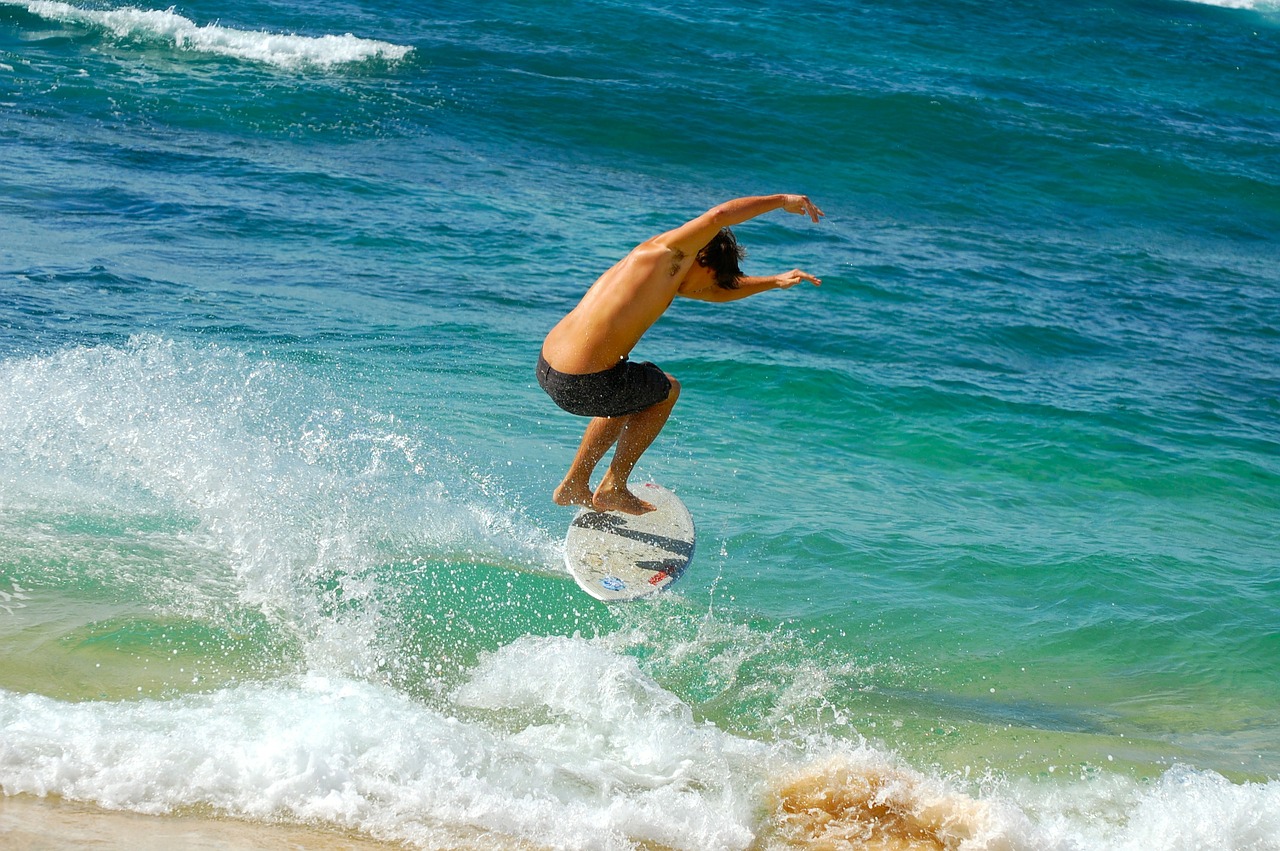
(749, 286)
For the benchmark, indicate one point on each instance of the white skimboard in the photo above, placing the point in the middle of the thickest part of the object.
(616, 556)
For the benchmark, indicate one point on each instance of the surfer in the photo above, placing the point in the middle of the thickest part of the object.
(584, 364)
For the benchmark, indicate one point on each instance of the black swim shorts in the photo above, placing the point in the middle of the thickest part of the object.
(624, 389)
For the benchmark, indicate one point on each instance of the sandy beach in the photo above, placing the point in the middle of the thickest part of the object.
(53, 824)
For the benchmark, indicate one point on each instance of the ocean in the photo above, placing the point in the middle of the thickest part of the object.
(988, 523)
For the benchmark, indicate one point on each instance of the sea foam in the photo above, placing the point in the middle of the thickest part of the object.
(279, 49)
(287, 487)
(1257, 5)
(562, 742)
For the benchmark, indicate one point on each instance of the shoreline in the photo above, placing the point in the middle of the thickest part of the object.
(56, 824)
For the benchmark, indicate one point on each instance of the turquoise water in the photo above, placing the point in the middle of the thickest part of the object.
(987, 523)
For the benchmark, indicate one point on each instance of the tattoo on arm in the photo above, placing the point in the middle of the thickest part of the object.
(677, 257)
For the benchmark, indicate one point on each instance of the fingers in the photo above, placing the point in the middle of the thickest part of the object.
(805, 207)
(801, 205)
(795, 276)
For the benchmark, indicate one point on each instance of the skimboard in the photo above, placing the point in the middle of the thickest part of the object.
(616, 556)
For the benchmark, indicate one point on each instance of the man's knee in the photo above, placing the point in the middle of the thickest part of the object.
(675, 388)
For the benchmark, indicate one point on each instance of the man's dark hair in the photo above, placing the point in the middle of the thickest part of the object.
(722, 255)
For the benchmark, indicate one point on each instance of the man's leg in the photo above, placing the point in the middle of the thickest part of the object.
(637, 433)
(600, 435)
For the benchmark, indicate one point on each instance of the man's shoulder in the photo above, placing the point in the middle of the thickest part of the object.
(655, 246)
(653, 258)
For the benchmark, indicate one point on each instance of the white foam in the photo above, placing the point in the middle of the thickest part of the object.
(599, 729)
(289, 488)
(279, 49)
(1183, 810)
(564, 743)
(593, 771)
(1256, 5)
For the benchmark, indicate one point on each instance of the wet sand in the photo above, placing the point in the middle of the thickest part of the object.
(53, 824)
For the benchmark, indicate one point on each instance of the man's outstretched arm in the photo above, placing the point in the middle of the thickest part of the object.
(748, 286)
(693, 235)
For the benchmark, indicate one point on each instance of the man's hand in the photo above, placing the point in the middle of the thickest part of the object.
(789, 279)
(801, 205)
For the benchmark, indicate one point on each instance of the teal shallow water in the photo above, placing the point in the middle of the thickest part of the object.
(995, 506)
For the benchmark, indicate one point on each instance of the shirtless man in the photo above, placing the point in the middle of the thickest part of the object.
(583, 365)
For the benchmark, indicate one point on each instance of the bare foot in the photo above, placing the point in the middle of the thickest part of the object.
(620, 499)
(573, 493)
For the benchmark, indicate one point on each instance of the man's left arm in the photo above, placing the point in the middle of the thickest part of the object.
(689, 238)
(749, 286)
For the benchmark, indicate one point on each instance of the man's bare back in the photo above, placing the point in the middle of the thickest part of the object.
(618, 308)
(590, 345)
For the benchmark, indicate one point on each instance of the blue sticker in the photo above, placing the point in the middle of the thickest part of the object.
(613, 583)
